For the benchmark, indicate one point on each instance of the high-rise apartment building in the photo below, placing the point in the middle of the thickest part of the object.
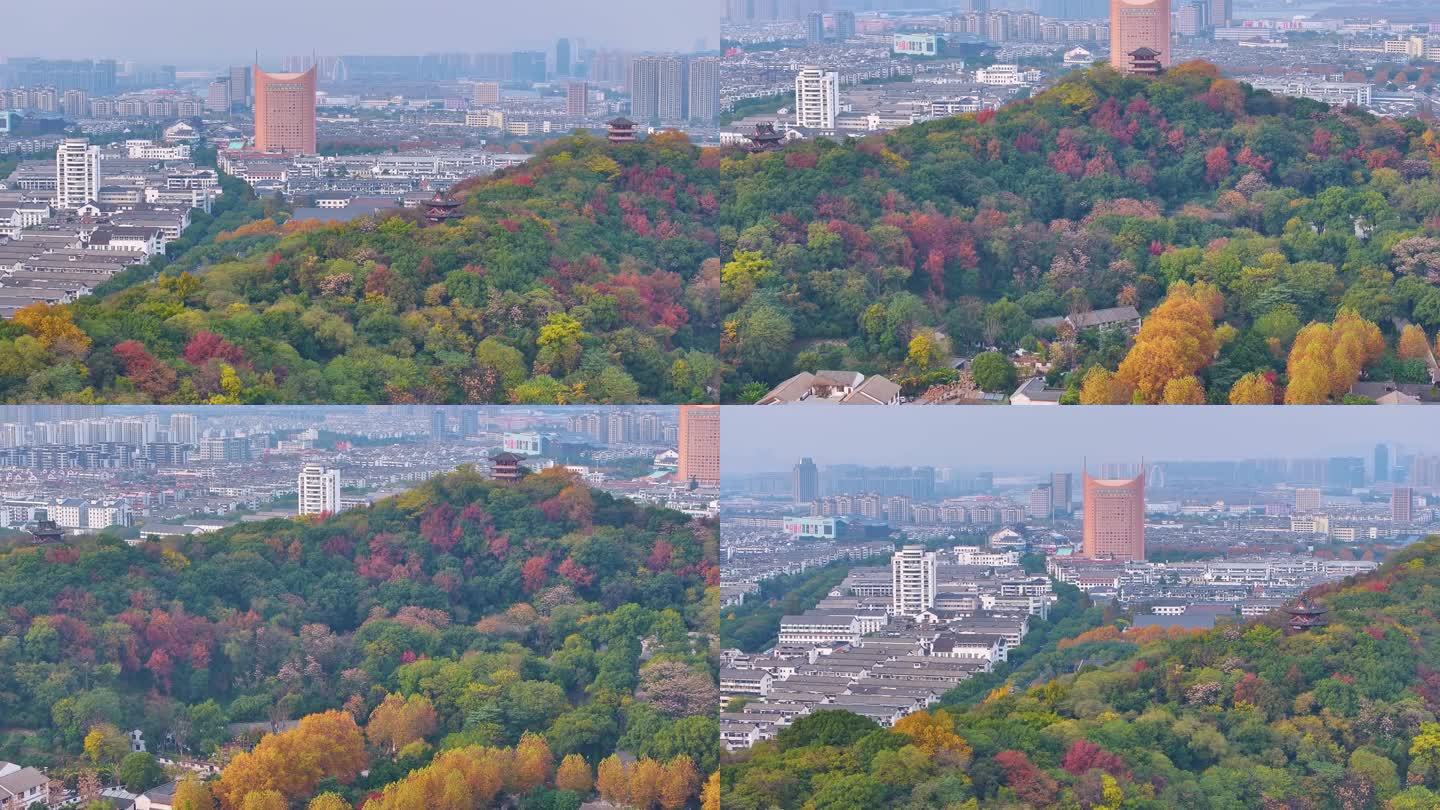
(704, 89)
(1307, 499)
(657, 89)
(77, 173)
(700, 444)
(184, 428)
(844, 25)
(1042, 502)
(1222, 13)
(240, 85)
(1114, 517)
(1062, 492)
(912, 577)
(285, 112)
(577, 99)
(319, 490)
(562, 57)
(217, 96)
(817, 98)
(1137, 24)
(486, 93)
(806, 484)
(1402, 506)
(814, 28)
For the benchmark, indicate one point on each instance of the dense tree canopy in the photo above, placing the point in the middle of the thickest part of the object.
(588, 275)
(1103, 191)
(464, 613)
(1244, 715)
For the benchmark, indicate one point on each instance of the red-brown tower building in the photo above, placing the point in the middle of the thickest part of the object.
(700, 444)
(1114, 518)
(1136, 24)
(285, 112)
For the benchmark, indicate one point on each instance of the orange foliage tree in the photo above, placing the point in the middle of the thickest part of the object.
(934, 733)
(1327, 359)
(399, 721)
(1176, 341)
(574, 774)
(325, 745)
(458, 779)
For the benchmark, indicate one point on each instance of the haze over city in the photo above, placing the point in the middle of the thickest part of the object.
(767, 439)
(206, 33)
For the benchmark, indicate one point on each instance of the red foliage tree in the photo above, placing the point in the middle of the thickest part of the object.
(206, 345)
(148, 374)
(438, 527)
(1217, 165)
(1084, 756)
(1031, 785)
(576, 573)
(660, 556)
(534, 572)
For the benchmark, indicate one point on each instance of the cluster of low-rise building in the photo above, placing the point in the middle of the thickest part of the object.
(886, 641)
(69, 223)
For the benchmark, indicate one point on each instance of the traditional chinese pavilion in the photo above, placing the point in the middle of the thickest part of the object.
(622, 130)
(441, 208)
(1145, 62)
(1306, 615)
(765, 139)
(506, 467)
(45, 531)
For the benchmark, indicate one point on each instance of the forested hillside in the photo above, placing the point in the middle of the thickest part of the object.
(590, 274)
(890, 253)
(1244, 715)
(517, 627)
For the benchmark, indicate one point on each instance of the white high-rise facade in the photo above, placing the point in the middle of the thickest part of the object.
(77, 173)
(817, 98)
(912, 572)
(184, 428)
(319, 490)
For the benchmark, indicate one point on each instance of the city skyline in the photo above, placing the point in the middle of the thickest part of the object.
(756, 440)
(188, 31)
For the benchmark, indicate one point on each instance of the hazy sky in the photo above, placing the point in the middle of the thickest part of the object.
(1018, 438)
(205, 32)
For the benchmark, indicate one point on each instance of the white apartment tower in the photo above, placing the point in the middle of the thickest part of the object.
(77, 173)
(184, 428)
(817, 98)
(912, 572)
(319, 490)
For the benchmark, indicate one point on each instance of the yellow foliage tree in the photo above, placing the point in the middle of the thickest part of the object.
(458, 779)
(612, 779)
(54, 327)
(710, 799)
(265, 800)
(192, 794)
(104, 743)
(328, 801)
(678, 783)
(1177, 340)
(574, 774)
(399, 721)
(1252, 389)
(1103, 388)
(923, 353)
(325, 745)
(1413, 343)
(646, 777)
(533, 762)
(1326, 359)
(1184, 391)
(934, 733)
